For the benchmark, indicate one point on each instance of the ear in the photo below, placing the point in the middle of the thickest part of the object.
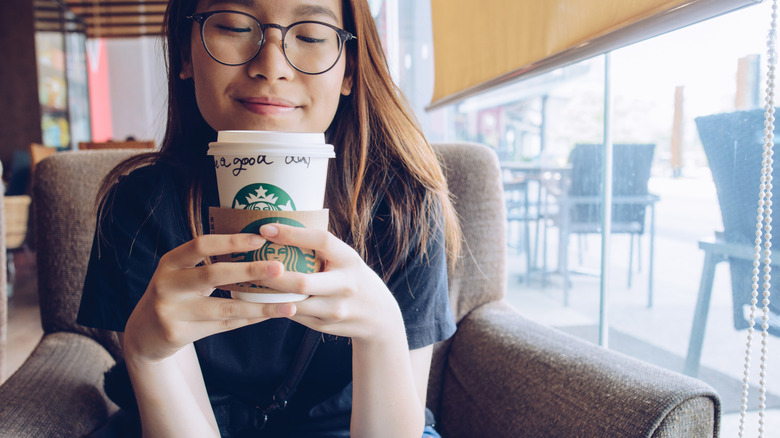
(186, 69)
(346, 85)
(349, 72)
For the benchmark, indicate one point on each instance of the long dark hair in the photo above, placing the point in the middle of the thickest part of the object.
(381, 153)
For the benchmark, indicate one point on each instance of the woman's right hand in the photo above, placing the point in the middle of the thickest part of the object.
(176, 308)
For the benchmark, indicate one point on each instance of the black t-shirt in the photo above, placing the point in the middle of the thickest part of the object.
(147, 220)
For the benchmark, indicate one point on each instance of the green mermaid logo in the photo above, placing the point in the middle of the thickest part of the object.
(292, 257)
(260, 196)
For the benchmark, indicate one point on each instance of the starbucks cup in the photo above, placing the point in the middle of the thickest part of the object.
(263, 170)
(269, 177)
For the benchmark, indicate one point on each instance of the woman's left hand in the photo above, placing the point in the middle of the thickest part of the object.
(347, 298)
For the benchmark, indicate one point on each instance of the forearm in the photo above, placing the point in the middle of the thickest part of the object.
(385, 400)
(168, 405)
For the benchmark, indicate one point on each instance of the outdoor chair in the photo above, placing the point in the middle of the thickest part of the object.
(524, 206)
(500, 375)
(733, 143)
(581, 210)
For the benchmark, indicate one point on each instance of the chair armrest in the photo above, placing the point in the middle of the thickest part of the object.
(58, 391)
(507, 377)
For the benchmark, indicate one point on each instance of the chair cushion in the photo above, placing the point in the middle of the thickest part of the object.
(67, 398)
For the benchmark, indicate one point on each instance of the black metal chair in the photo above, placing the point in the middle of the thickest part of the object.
(630, 198)
(733, 143)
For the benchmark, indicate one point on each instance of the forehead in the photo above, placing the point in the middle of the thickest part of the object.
(315, 9)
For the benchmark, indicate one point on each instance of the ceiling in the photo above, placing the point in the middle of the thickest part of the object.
(102, 18)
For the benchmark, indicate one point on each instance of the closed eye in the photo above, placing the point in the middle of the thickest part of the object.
(310, 40)
(233, 29)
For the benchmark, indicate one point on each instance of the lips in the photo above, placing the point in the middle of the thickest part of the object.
(267, 105)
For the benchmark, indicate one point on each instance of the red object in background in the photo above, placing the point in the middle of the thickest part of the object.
(99, 93)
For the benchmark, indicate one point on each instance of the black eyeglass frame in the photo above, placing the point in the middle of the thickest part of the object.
(201, 18)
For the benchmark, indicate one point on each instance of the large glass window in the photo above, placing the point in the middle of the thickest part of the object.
(548, 132)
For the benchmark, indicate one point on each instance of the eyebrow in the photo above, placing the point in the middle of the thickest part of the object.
(240, 2)
(302, 10)
(309, 10)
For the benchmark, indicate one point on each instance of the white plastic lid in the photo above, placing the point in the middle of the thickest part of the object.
(270, 137)
(242, 143)
(271, 149)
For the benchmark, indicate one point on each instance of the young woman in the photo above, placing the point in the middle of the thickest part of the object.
(204, 365)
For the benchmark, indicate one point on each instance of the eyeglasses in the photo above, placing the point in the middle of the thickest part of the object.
(235, 38)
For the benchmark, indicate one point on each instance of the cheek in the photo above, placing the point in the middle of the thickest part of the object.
(331, 96)
(207, 82)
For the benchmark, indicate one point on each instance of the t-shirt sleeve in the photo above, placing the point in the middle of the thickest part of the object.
(125, 256)
(422, 292)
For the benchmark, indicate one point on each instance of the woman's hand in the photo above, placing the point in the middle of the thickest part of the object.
(176, 309)
(347, 297)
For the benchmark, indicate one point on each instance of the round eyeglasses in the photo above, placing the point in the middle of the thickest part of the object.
(235, 38)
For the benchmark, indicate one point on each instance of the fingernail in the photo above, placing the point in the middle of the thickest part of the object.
(256, 240)
(269, 230)
(287, 309)
(274, 268)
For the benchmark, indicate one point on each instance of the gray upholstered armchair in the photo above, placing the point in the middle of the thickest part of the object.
(500, 375)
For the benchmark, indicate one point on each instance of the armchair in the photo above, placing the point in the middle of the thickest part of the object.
(499, 375)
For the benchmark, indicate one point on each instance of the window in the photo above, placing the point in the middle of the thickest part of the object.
(659, 87)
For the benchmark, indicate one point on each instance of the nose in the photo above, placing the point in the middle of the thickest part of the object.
(270, 61)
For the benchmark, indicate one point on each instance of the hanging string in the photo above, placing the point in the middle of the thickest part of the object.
(765, 218)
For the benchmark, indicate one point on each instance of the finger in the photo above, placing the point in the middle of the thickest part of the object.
(205, 278)
(219, 310)
(202, 329)
(311, 322)
(196, 250)
(315, 307)
(320, 241)
(316, 284)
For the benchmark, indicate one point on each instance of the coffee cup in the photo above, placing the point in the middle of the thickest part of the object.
(269, 177)
(264, 170)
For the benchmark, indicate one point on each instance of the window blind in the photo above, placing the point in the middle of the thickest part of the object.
(480, 45)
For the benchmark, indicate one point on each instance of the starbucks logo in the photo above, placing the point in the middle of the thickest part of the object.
(261, 196)
(292, 257)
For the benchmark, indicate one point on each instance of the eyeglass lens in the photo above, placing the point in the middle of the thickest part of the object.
(234, 39)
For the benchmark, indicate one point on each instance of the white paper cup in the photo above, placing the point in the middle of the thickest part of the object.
(264, 170)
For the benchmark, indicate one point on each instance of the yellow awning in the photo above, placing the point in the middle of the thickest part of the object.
(479, 45)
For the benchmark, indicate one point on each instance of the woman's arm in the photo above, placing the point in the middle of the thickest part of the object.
(389, 390)
(176, 310)
(178, 374)
(349, 299)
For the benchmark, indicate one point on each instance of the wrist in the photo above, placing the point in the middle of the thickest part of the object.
(389, 332)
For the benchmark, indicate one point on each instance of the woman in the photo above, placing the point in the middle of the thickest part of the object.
(203, 365)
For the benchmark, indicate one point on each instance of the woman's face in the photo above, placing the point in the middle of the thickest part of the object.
(267, 93)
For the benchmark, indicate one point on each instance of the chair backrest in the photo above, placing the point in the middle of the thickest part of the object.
(733, 143)
(64, 190)
(129, 144)
(474, 179)
(631, 164)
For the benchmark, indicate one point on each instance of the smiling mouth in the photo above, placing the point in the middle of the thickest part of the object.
(264, 106)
